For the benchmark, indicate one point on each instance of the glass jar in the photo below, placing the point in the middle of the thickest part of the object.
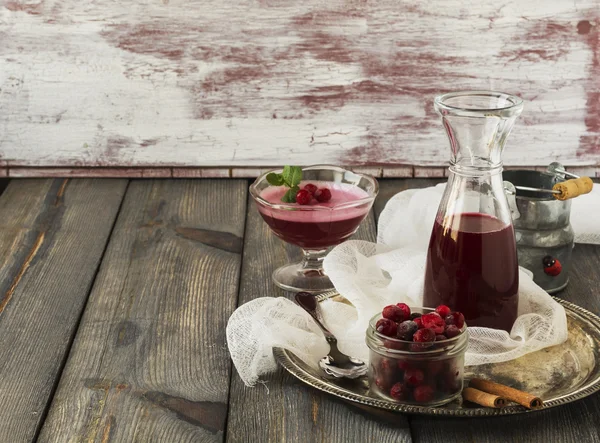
(421, 374)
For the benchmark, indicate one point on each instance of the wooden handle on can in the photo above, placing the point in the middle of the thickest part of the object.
(572, 188)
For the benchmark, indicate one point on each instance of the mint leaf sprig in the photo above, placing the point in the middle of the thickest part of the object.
(291, 176)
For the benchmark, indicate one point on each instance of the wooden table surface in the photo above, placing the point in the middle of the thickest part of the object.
(114, 297)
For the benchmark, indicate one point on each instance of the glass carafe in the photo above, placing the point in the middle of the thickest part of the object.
(472, 256)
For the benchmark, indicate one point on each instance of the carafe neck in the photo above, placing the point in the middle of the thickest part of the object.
(477, 124)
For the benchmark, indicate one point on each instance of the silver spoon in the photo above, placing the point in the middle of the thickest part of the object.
(336, 363)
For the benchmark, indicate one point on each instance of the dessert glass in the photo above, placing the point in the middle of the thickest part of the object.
(317, 226)
(437, 367)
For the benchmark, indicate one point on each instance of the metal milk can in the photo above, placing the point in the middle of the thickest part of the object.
(542, 228)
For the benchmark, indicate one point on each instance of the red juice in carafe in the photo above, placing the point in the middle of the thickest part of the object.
(472, 268)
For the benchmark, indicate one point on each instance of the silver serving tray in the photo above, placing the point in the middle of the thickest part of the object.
(558, 375)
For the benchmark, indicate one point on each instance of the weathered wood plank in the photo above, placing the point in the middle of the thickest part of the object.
(52, 237)
(17, 172)
(574, 423)
(287, 410)
(149, 362)
(345, 82)
(250, 172)
(389, 188)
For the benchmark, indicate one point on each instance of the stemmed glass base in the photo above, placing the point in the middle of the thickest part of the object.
(306, 276)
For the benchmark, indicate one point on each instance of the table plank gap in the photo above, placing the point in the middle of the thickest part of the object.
(284, 408)
(78, 322)
(3, 184)
(149, 362)
(52, 238)
(232, 372)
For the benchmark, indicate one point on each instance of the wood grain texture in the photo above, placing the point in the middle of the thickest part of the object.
(165, 84)
(285, 409)
(574, 423)
(52, 237)
(389, 188)
(249, 172)
(149, 362)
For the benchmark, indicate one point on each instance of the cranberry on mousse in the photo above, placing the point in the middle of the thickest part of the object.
(323, 195)
(305, 195)
(310, 188)
(309, 215)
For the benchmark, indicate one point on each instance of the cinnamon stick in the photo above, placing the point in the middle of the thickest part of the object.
(530, 401)
(483, 398)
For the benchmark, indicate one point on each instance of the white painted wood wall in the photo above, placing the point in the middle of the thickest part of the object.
(233, 87)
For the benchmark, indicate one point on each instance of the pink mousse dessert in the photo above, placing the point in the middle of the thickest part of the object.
(316, 225)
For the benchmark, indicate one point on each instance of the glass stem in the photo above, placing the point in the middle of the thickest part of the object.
(312, 260)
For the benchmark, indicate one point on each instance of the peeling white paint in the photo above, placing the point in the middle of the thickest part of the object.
(223, 83)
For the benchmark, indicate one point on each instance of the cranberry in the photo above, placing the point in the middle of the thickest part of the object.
(310, 188)
(423, 394)
(406, 329)
(303, 197)
(393, 344)
(433, 321)
(419, 347)
(440, 337)
(419, 322)
(452, 331)
(323, 195)
(387, 370)
(387, 365)
(393, 312)
(443, 310)
(386, 327)
(456, 318)
(399, 391)
(435, 367)
(424, 335)
(405, 309)
(414, 377)
(450, 381)
(456, 384)
(382, 383)
(414, 315)
(404, 365)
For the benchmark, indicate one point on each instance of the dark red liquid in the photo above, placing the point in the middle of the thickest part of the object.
(312, 234)
(472, 268)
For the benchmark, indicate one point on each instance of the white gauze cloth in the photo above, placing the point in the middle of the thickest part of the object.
(256, 327)
(372, 276)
